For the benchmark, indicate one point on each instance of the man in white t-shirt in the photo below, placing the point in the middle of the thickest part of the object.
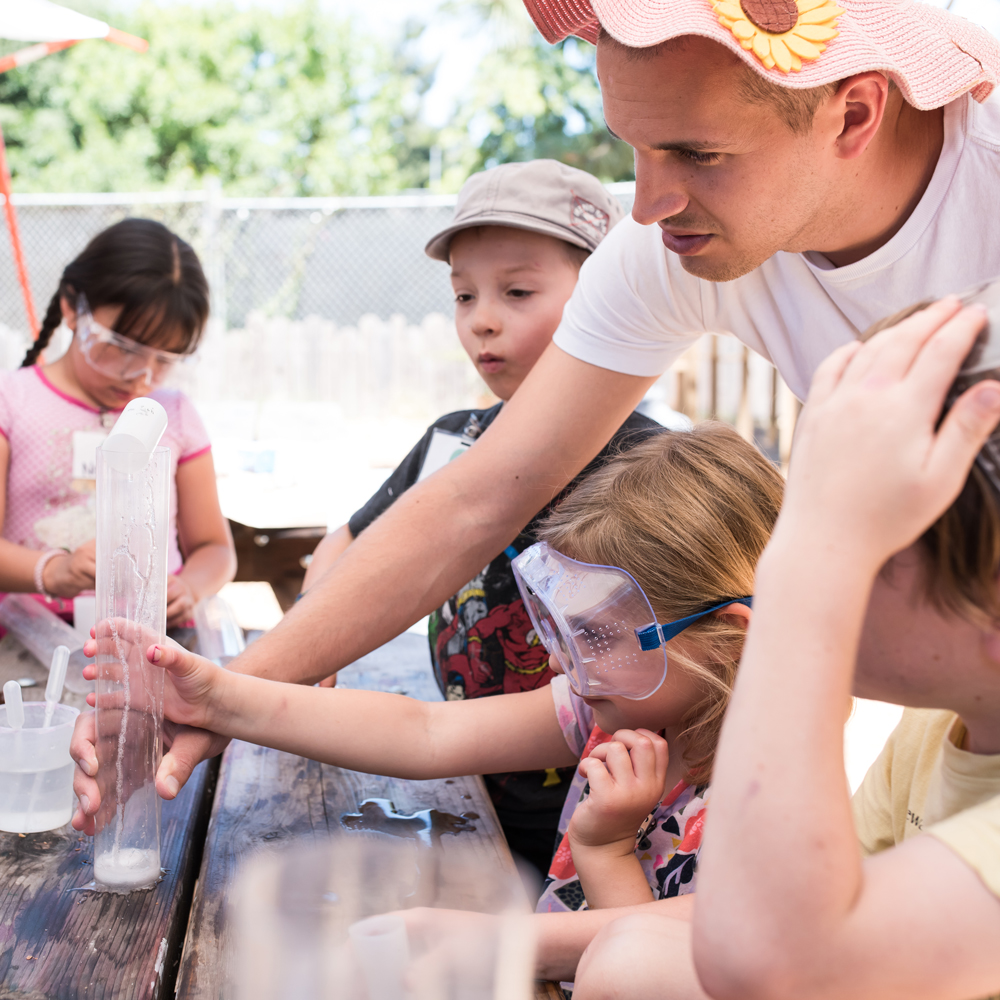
(802, 169)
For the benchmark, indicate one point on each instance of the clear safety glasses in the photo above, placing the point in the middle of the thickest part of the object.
(597, 624)
(119, 357)
(983, 362)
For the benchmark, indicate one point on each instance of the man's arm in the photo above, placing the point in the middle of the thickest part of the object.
(442, 532)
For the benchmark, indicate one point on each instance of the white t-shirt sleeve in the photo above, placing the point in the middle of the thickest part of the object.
(632, 311)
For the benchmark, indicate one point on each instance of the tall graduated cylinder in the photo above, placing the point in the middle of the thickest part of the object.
(133, 497)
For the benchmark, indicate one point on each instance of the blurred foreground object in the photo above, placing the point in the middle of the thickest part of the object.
(365, 918)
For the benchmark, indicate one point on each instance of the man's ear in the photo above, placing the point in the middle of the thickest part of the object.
(855, 112)
(738, 614)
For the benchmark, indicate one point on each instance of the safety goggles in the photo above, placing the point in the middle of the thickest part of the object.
(121, 358)
(597, 624)
(983, 362)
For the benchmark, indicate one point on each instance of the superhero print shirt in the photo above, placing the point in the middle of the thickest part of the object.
(481, 639)
(667, 843)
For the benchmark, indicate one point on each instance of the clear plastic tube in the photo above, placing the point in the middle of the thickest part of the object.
(132, 523)
(40, 632)
(220, 637)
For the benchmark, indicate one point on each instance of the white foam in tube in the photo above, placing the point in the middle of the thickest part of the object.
(135, 435)
(383, 952)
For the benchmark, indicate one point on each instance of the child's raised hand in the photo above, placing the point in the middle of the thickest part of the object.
(626, 779)
(871, 468)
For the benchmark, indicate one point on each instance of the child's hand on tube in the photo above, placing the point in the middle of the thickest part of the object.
(188, 696)
(626, 779)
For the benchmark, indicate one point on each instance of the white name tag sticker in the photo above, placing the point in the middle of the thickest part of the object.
(85, 445)
(444, 447)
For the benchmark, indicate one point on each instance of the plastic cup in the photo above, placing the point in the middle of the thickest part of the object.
(36, 770)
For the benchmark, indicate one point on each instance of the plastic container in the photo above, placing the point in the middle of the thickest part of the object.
(330, 922)
(36, 770)
(132, 534)
(220, 637)
(40, 631)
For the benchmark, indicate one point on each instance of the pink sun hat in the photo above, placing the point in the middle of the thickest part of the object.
(932, 55)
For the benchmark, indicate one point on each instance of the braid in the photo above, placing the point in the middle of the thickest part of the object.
(53, 317)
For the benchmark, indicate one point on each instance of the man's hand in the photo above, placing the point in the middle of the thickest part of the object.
(626, 779)
(70, 574)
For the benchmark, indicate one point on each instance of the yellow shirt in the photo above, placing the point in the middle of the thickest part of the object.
(923, 783)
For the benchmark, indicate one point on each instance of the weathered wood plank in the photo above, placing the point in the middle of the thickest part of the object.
(266, 798)
(64, 945)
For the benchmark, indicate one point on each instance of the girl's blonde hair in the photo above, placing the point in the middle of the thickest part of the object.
(688, 514)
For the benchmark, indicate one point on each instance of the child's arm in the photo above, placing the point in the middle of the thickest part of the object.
(362, 730)
(204, 538)
(626, 779)
(786, 906)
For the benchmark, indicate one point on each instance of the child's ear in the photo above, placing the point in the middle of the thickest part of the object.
(738, 614)
(68, 312)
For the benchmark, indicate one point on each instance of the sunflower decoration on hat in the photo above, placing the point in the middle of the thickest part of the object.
(781, 33)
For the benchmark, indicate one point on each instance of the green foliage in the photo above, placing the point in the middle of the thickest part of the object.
(543, 101)
(530, 100)
(296, 103)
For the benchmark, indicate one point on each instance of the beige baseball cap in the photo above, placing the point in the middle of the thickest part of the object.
(542, 196)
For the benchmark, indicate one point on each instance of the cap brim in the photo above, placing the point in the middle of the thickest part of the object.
(438, 246)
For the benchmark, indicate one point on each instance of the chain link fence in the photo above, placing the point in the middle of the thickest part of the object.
(333, 300)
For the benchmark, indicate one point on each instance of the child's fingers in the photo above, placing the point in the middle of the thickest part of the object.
(935, 367)
(597, 775)
(661, 752)
(174, 658)
(829, 373)
(889, 355)
(963, 432)
(641, 750)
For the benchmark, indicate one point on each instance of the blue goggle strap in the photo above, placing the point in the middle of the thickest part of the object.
(653, 636)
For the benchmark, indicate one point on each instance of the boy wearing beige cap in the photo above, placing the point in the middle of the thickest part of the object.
(515, 245)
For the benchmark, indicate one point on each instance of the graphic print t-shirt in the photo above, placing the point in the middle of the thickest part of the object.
(481, 639)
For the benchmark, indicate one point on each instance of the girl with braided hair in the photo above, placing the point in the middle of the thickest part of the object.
(136, 300)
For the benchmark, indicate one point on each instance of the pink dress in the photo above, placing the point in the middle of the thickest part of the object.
(47, 507)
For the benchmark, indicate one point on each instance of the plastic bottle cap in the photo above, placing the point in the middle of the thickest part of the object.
(136, 433)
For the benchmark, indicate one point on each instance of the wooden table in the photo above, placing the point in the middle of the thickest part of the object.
(65, 945)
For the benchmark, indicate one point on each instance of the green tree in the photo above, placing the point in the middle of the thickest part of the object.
(293, 103)
(530, 99)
